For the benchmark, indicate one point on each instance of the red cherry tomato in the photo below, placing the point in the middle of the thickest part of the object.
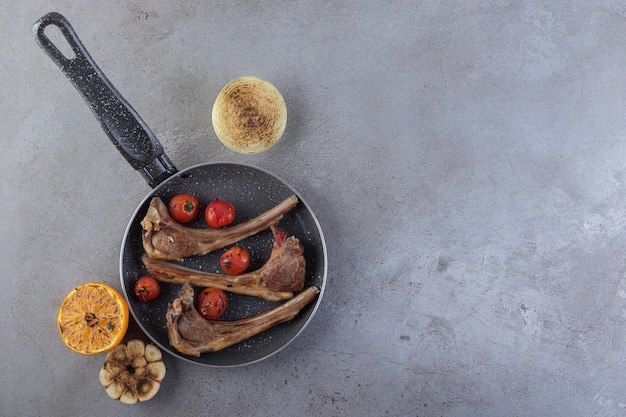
(235, 260)
(184, 207)
(212, 303)
(219, 213)
(147, 288)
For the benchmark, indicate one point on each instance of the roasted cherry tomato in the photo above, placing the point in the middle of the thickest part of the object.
(235, 260)
(219, 213)
(184, 207)
(147, 288)
(212, 303)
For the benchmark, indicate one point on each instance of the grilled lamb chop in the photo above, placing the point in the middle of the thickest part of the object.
(191, 334)
(164, 238)
(277, 280)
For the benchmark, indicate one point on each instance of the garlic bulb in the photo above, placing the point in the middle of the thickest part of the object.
(133, 372)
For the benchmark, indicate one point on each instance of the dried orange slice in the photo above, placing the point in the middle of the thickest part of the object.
(93, 318)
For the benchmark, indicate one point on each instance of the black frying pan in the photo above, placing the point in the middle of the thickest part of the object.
(251, 190)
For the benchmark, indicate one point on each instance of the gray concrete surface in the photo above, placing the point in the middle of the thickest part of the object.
(465, 159)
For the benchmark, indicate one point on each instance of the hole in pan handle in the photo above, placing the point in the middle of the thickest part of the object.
(122, 124)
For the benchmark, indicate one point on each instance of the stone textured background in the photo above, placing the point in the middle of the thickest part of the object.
(466, 161)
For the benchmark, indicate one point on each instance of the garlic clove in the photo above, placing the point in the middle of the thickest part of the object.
(136, 349)
(153, 353)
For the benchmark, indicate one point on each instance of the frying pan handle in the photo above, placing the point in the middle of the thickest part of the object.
(128, 132)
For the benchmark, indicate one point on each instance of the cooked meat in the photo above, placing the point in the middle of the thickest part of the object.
(277, 280)
(164, 238)
(191, 334)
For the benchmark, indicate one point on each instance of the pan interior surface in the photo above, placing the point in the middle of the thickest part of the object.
(252, 191)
